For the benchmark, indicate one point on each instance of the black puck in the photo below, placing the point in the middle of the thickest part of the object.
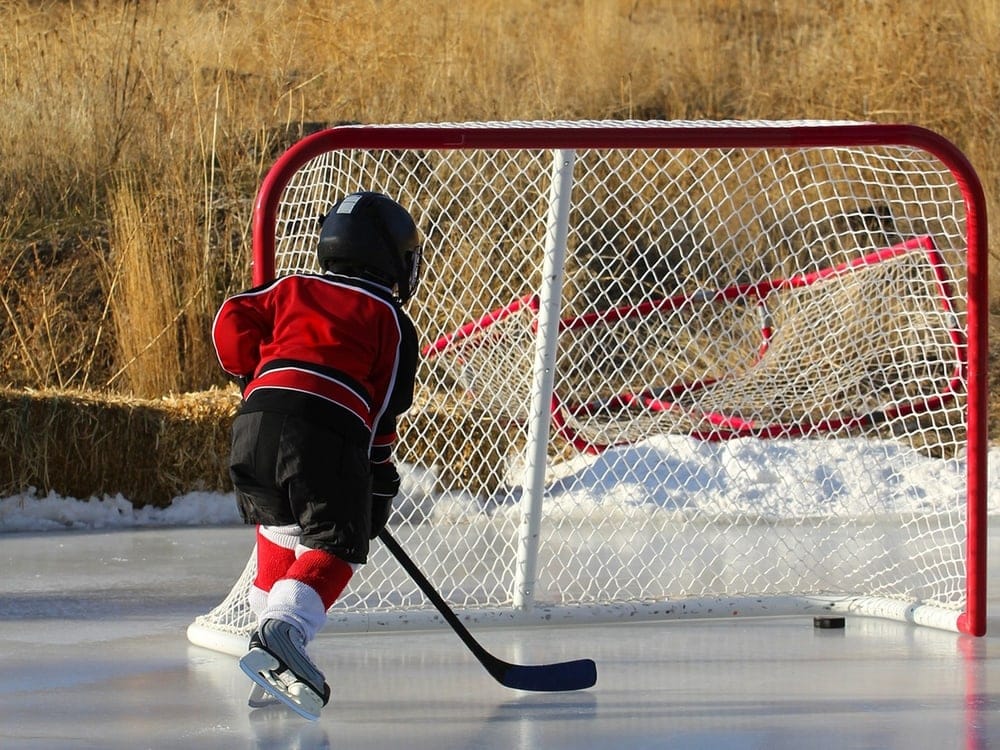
(828, 623)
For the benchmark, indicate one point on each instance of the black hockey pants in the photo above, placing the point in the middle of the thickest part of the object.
(287, 470)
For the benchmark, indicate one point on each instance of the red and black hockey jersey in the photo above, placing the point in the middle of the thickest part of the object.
(331, 348)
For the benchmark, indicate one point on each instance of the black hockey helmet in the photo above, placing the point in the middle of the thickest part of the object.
(370, 234)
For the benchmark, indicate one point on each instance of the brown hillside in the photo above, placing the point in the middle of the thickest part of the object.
(135, 136)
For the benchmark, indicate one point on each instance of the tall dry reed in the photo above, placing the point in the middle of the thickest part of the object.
(144, 303)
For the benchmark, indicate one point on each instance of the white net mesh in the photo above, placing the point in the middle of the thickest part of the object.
(823, 351)
(773, 339)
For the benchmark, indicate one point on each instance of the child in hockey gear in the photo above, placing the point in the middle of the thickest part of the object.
(326, 363)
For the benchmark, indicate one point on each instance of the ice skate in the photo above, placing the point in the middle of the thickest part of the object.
(277, 662)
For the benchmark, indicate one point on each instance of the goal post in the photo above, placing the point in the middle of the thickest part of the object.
(671, 370)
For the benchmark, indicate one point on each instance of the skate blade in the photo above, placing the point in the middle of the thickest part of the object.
(260, 666)
(260, 698)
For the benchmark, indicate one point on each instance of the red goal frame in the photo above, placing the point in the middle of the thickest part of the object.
(973, 620)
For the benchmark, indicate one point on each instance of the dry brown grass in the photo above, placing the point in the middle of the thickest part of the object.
(185, 106)
(136, 133)
(80, 444)
(83, 444)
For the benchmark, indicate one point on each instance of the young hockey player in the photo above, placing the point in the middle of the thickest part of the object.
(326, 363)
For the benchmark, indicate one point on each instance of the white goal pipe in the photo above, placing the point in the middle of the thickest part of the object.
(709, 608)
(540, 415)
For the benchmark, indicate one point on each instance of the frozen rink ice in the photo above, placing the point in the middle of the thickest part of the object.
(94, 655)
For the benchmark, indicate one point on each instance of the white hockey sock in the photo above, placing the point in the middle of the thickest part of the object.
(294, 602)
(310, 587)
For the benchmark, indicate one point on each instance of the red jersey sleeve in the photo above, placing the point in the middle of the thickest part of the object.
(242, 324)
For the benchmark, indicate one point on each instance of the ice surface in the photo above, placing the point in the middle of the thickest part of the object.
(94, 655)
(96, 597)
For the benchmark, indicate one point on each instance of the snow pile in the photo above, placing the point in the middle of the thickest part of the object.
(31, 512)
(676, 473)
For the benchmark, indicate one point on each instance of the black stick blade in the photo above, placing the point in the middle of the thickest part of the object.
(564, 676)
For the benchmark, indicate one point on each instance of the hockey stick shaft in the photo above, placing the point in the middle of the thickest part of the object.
(559, 676)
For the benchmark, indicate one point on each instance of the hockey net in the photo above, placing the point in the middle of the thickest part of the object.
(867, 346)
(751, 342)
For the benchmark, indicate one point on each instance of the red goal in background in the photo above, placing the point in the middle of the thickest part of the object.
(672, 369)
(753, 398)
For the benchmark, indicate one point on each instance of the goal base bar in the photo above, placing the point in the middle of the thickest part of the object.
(231, 641)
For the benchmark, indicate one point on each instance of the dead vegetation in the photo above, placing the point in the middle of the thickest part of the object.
(82, 444)
(136, 135)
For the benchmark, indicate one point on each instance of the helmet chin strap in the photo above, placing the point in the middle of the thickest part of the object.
(413, 263)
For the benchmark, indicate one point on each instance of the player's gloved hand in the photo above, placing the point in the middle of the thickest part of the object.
(243, 381)
(385, 486)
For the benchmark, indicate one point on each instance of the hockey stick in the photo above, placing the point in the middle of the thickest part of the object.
(566, 675)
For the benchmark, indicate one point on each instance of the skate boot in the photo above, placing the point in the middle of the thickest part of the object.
(278, 663)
